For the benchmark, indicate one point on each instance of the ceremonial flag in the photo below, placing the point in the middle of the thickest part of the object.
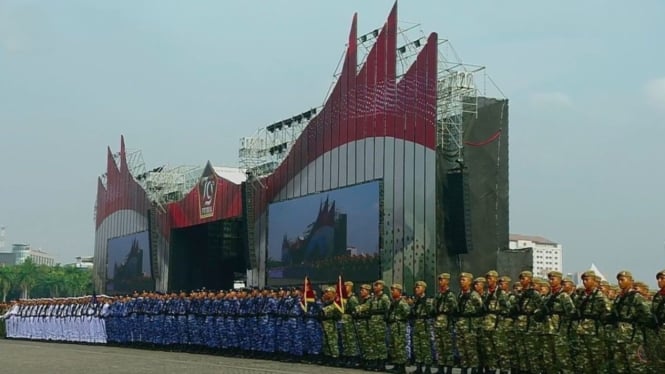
(342, 296)
(307, 294)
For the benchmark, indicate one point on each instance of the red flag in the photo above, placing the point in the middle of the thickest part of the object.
(342, 296)
(307, 294)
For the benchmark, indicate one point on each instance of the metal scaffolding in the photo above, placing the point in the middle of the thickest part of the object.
(261, 153)
(162, 184)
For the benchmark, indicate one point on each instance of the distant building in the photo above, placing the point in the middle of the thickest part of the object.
(21, 252)
(83, 262)
(547, 254)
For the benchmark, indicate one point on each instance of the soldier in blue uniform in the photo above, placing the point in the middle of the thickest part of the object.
(313, 336)
(170, 323)
(234, 322)
(295, 326)
(217, 321)
(182, 310)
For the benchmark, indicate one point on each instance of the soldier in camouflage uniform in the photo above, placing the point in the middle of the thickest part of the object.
(469, 308)
(556, 312)
(505, 337)
(445, 307)
(538, 328)
(397, 316)
(421, 312)
(593, 308)
(330, 314)
(349, 334)
(630, 316)
(605, 288)
(496, 308)
(526, 340)
(489, 322)
(483, 350)
(361, 315)
(378, 307)
(656, 337)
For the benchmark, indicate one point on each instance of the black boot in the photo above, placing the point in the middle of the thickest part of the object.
(428, 369)
(449, 370)
(419, 369)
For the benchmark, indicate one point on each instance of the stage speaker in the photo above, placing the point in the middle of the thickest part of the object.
(457, 213)
(153, 231)
(248, 219)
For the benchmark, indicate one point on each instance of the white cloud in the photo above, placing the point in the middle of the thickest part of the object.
(655, 92)
(550, 100)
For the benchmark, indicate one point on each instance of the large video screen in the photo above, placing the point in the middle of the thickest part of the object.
(128, 265)
(324, 235)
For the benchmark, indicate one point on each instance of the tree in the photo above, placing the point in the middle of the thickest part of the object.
(27, 277)
(7, 279)
(54, 280)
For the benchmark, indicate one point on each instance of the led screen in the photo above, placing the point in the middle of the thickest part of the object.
(324, 235)
(128, 264)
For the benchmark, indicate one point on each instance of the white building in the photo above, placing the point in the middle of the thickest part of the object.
(21, 252)
(547, 255)
(83, 262)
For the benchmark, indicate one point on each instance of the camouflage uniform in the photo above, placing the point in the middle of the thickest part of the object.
(330, 314)
(421, 312)
(349, 334)
(495, 326)
(445, 307)
(469, 308)
(361, 316)
(488, 326)
(378, 351)
(556, 312)
(630, 316)
(656, 337)
(526, 338)
(593, 308)
(397, 316)
(505, 337)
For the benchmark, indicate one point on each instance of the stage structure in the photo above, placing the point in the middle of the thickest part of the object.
(189, 216)
(402, 111)
(406, 124)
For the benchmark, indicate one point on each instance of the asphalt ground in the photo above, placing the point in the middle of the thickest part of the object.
(22, 356)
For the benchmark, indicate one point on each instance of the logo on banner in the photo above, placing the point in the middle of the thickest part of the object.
(207, 193)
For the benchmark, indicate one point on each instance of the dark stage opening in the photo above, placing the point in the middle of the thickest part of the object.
(206, 255)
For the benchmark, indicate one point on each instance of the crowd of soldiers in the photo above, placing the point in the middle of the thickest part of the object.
(79, 319)
(531, 326)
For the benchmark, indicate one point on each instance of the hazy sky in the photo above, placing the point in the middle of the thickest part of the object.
(183, 81)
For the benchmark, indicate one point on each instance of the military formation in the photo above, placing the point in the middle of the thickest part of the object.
(79, 319)
(491, 324)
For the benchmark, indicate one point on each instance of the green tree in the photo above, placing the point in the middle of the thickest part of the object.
(7, 280)
(27, 277)
(77, 281)
(54, 280)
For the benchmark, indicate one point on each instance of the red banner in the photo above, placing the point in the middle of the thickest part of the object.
(307, 294)
(342, 296)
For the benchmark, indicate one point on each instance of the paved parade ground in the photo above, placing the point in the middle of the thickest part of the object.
(21, 356)
(18, 356)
